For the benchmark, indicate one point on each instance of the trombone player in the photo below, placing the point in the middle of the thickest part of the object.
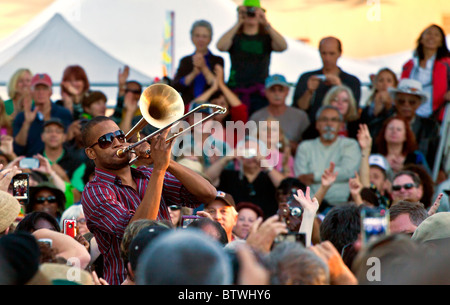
(119, 194)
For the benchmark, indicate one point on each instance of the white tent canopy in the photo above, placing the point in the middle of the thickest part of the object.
(56, 45)
(104, 35)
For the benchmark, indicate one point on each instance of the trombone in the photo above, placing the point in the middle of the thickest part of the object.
(162, 107)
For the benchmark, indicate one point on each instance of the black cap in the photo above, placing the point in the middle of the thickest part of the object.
(141, 240)
(54, 120)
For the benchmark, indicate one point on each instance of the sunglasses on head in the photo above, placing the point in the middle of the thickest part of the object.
(406, 186)
(106, 140)
(49, 199)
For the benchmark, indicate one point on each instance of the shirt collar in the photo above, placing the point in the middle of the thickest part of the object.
(108, 177)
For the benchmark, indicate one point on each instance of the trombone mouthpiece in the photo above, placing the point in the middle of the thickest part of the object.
(120, 153)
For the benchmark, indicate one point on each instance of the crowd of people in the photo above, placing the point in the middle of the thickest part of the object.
(224, 216)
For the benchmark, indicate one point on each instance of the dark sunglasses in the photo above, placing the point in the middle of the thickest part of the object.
(174, 207)
(106, 140)
(410, 102)
(406, 186)
(49, 199)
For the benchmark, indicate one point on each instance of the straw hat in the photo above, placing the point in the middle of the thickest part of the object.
(9, 210)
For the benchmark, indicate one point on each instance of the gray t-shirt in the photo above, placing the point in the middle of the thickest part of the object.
(293, 121)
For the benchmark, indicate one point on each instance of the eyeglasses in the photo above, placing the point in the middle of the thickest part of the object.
(326, 120)
(49, 199)
(106, 140)
(406, 186)
(174, 207)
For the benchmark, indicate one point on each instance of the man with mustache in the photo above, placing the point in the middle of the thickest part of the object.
(313, 157)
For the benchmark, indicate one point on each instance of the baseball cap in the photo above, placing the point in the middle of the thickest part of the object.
(227, 198)
(141, 240)
(380, 161)
(251, 206)
(54, 120)
(41, 79)
(276, 79)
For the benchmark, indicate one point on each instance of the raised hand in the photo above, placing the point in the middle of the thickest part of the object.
(364, 138)
(433, 209)
(262, 234)
(329, 175)
(310, 206)
(123, 75)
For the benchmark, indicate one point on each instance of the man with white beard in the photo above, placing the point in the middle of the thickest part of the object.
(314, 156)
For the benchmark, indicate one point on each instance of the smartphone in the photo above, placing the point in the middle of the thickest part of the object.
(292, 237)
(46, 241)
(70, 227)
(186, 220)
(20, 187)
(31, 163)
(321, 77)
(374, 224)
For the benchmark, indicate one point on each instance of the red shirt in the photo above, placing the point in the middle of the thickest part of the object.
(109, 206)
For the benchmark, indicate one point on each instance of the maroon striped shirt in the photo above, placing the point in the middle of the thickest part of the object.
(109, 206)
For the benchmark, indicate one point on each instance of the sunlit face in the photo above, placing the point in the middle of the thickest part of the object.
(49, 203)
(342, 102)
(377, 177)
(106, 158)
(276, 95)
(175, 215)
(395, 132)
(246, 217)
(41, 95)
(78, 84)
(53, 136)
(406, 192)
(222, 213)
(81, 225)
(407, 104)
(431, 38)
(384, 81)
(24, 82)
(328, 124)
(201, 38)
(402, 224)
(329, 53)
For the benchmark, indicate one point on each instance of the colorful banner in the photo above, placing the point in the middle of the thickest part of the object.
(168, 44)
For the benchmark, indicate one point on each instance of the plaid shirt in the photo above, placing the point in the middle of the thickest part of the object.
(109, 206)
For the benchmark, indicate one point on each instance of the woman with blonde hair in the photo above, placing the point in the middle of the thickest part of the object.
(19, 87)
(342, 98)
(5, 120)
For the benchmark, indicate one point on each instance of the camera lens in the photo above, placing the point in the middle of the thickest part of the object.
(251, 12)
(296, 212)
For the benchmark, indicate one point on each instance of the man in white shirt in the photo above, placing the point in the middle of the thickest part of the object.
(314, 156)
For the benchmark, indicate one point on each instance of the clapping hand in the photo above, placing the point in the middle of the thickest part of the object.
(329, 175)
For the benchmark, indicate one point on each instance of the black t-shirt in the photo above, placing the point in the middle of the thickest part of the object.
(347, 79)
(261, 192)
(250, 60)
